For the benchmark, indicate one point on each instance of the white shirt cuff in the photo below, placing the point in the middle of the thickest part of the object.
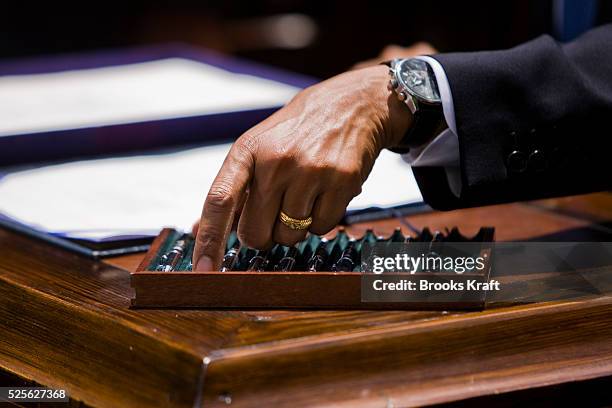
(445, 92)
(442, 151)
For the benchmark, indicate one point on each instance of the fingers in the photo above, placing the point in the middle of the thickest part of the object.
(259, 214)
(327, 212)
(196, 225)
(297, 203)
(239, 209)
(222, 200)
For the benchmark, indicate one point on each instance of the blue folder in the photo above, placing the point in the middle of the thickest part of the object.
(101, 140)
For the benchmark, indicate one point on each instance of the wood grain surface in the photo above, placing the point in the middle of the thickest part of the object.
(65, 322)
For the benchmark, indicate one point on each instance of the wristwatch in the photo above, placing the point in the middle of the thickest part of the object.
(414, 83)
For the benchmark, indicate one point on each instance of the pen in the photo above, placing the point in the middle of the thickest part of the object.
(337, 245)
(244, 257)
(425, 235)
(318, 260)
(348, 258)
(259, 262)
(275, 256)
(397, 236)
(169, 261)
(434, 247)
(305, 250)
(367, 240)
(231, 257)
(435, 243)
(288, 261)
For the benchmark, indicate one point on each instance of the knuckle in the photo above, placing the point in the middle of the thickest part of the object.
(209, 238)
(325, 221)
(252, 239)
(316, 167)
(304, 93)
(319, 166)
(246, 144)
(281, 158)
(220, 196)
(355, 190)
(349, 175)
(277, 158)
(321, 228)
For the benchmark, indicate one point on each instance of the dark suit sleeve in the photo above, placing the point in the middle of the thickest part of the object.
(533, 121)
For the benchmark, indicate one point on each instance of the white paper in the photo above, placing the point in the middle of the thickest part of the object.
(139, 195)
(162, 89)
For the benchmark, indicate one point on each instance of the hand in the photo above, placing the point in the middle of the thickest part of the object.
(395, 51)
(310, 158)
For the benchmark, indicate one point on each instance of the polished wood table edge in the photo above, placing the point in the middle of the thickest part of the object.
(412, 328)
(280, 357)
(528, 379)
(599, 207)
(480, 385)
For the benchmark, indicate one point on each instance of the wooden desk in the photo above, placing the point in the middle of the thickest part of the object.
(65, 322)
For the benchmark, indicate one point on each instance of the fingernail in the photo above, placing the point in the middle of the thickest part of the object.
(204, 264)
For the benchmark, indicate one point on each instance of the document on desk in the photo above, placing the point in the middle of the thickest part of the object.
(140, 92)
(115, 198)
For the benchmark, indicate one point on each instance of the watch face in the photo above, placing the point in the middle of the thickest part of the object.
(418, 77)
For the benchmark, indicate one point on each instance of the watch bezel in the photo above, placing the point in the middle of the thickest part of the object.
(402, 86)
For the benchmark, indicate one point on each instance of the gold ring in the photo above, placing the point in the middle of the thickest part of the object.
(294, 223)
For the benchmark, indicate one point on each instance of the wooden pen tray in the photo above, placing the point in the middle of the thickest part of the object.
(276, 289)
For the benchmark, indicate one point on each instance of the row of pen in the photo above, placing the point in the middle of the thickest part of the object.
(342, 253)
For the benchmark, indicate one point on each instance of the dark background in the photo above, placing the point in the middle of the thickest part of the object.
(342, 32)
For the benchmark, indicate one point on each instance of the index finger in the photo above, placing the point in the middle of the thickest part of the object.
(224, 196)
